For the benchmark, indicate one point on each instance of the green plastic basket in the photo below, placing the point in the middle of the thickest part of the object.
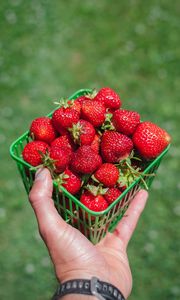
(94, 225)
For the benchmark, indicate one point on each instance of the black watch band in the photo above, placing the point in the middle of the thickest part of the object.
(94, 287)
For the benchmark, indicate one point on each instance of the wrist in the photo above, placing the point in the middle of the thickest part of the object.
(86, 289)
(104, 276)
(85, 274)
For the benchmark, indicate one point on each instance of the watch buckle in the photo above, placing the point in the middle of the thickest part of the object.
(93, 288)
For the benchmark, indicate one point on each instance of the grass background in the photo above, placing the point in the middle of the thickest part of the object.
(50, 49)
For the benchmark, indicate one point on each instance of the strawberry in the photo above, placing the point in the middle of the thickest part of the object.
(70, 181)
(75, 105)
(112, 194)
(88, 96)
(109, 98)
(115, 146)
(59, 158)
(95, 145)
(125, 121)
(32, 152)
(42, 129)
(85, 160)
(95, 203)
(94, 112)
(80, 99)
(150, 140)
(64, 118)
(83, 132)
(107, 174)
(63, 141)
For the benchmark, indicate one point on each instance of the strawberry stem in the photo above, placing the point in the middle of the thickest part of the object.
(107, 125)
(144, 183)
(76, 130)
(129, 173)
(85, 179)
(135, 173)
(95, 179)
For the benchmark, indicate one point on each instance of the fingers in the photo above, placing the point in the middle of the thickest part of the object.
(40, 198)
(127, 225)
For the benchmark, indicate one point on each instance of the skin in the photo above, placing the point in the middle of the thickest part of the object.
(72, 254)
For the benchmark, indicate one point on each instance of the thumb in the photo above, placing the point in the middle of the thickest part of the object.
(56, 233)
(40, 198)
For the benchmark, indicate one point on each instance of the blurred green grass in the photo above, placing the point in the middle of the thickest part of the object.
(49, 49)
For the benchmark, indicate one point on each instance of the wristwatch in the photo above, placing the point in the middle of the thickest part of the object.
(94, 287)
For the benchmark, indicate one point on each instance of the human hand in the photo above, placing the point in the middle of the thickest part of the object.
(72, 254)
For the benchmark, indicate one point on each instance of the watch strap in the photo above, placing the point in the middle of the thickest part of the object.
(100, 289)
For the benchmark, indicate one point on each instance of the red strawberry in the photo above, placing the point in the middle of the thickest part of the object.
(88, 96)
(75, 105)
(150, 140)
(107, 174)
(125, 121)
(83, 132)
(109, 98)
(115, 146)
(64, 118)
(60, 129)
(63, 141)
(32, 152)
(95, 145)
(70, 181)
(95, 203)
(112, 194)
(42, 129)
(60, 158)
(94, 112)
(80, 99)
(85, 160)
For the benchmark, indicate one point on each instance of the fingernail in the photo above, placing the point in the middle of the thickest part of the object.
(40, 174)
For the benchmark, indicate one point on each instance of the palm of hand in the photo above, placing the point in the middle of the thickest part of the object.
(72, 254)
(80, 259)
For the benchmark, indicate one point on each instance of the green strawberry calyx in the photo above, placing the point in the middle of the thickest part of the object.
(61, 179)
(129, 173)
(96, 190)
(47, 162)
(63, 102)
(108, 125)
(76, 130)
